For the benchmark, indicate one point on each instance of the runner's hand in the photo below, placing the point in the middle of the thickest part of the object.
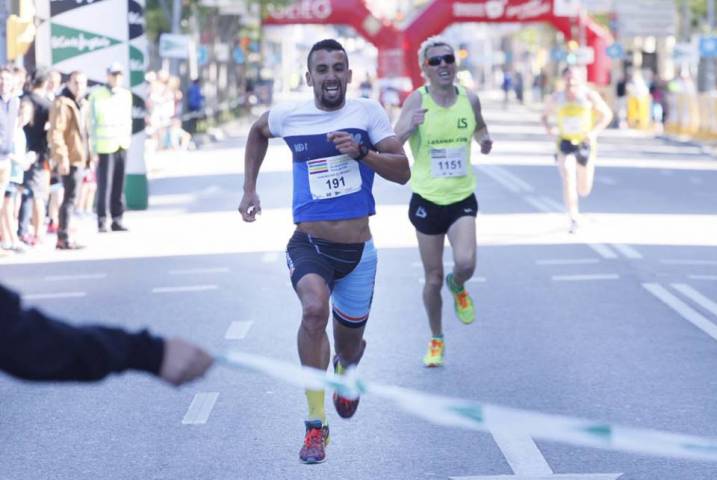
(486, 144)
(418, 117)
(250, 206)
(345, 143)
(183, 361)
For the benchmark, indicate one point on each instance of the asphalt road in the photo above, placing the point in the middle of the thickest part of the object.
(616, 323)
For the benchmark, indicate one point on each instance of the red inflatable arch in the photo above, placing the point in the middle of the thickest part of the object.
(397, 48)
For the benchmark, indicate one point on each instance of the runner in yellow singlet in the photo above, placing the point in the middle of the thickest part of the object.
(576, 132)
(440, 119)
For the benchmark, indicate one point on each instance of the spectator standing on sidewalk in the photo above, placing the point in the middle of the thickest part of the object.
(36, 182)
(195, 105)
(68, 143)
(111, 134)
(9, 109)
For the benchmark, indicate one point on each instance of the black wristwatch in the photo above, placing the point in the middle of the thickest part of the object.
(363, 151)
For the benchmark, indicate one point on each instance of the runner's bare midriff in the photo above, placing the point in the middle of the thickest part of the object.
(355, 230)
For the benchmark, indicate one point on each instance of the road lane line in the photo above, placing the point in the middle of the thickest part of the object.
(422, 280)
(558, 207)
(603, 250)
(525, 186)
(688, 262)
(496, 176)
(79, 276)
(447, 263)
(696, 297)
(193, 271)
(627, 250)
(238, 330)
(567, 261)
(52, 296)
(557, 476)
(702, 277)
(200, 408)
(187, 288)
(685, 311)
(586, 277)
(521, 453)
(538, 204)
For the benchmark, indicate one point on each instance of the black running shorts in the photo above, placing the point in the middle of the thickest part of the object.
(580, 150)
(433, 219)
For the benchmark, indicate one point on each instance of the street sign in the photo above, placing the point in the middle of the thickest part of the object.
(202, 55)
(616, 51)
(584, 55)
(644, 18)
(708, 46)
(683, 51)
(174, 46)
(238, 56)
(566, 8)
(557, 54)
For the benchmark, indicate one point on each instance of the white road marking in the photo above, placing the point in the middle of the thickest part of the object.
(685, 311)
(702, 277)
(79, 276)
(200, 408)
(688, 262)
(238, 330)
(567, 261)
(422, 280)
(187, 288)
(525, 186)
(521, 453)
(627, 250)
(537, 203)
(696, 297)
(557, 476)
(603, 250)
(587, 277)
(528, 463)
(606, 180)
(52, 296)
(558, 207)
(447, 263)
(506, 181)
(193, 271)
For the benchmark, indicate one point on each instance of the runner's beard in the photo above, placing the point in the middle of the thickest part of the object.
(333, 102)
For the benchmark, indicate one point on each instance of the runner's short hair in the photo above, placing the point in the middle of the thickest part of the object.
(328, 44)
(430, 42)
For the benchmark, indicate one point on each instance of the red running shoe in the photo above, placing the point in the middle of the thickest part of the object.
(315, 442)
(345, 407)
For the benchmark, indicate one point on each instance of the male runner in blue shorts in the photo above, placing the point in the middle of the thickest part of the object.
(337, 146)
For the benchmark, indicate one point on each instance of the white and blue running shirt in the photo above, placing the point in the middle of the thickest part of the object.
(327, 184)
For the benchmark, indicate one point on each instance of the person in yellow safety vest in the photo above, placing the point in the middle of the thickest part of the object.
(110, 136)
(576, 130)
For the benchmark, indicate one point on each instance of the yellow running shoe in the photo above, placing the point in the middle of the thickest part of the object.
(434, 356)
(462, 302)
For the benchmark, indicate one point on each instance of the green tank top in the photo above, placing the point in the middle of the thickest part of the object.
(441, 146)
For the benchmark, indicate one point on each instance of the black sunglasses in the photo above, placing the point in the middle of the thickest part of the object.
(449, 58)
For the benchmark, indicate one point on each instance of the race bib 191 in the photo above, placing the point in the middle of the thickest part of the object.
(333, 176)
(449, 162)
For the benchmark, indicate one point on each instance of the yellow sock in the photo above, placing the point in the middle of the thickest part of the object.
(315, 399)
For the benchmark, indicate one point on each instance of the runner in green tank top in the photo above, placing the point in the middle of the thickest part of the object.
(441, 119)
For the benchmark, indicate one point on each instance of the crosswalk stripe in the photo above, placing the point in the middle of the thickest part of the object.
(685, 311)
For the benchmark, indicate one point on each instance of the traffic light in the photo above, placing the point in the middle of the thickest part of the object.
(20, 34)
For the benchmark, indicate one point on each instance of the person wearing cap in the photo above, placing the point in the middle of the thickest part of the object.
(110, 136)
